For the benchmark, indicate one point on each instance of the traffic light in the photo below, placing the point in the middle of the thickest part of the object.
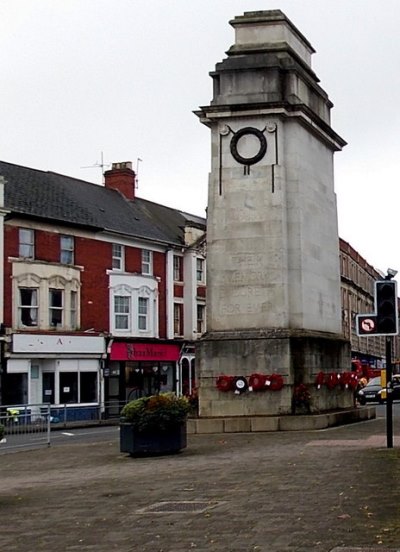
(386, 307)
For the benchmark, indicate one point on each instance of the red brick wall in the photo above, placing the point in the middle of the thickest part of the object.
(47, 246)
(201, 291)
(133, 259)
(178, 290)
(95, 256)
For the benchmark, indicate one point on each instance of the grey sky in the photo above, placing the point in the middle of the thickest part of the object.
(122, 77)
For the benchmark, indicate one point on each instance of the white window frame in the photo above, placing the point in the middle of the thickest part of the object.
(67, 249)
(56, 308)
(73, 309)
(118, 257)
(26, 244)
(122, 311)
(143, 314)
(200, 324)
(199, 270)
(178, 313)
(32, 307)
(177, 262)
(147, 262)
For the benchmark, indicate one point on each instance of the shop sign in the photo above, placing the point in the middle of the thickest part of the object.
(39, 343)
(144, 351)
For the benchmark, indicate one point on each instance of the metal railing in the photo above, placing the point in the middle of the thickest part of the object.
(25, 424)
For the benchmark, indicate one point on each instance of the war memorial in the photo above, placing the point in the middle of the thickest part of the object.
(273, 279)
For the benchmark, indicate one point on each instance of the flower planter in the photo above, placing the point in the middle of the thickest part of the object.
(152, 442)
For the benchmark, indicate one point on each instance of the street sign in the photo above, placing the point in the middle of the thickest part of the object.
(366, 324)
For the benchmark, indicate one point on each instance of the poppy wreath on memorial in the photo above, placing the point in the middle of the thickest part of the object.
(349, 380)
(225, 383)
(240, 384)
(319, 380)
(257, 382)
(274, 382)
(332, 380)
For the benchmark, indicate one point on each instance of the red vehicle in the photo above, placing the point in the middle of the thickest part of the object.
(364, 370)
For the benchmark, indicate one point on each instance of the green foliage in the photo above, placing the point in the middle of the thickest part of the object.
(1, 432)
(156, 412)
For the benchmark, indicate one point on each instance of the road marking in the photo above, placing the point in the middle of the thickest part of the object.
(69, 434)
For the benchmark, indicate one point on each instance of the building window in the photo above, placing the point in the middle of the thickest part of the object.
(66, 249)
(147, 262)
(121, 312)
(178, 318)
(200, 270)
(26, 243)
(143, 313)
(87, 387)
(55, 307)
(200, 318)
(117, 256)
(178, 269)
(74, 310)
(28, 306)
(68, 387)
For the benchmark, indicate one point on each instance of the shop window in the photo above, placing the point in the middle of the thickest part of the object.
(178, 276)
(121, 312)
(66, 249)
(143, 313)
(88, 387)
(68, 387)
(147, 262)
(28, 307)
(55, 308)
(118, 256)
(200, 270)
(26, 243)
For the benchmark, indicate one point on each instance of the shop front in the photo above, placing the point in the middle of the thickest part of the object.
(62, 370)
(141, 369)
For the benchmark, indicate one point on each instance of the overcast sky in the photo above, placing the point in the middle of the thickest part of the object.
(123, 77)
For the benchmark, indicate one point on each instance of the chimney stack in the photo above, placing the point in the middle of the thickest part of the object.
(121, 177)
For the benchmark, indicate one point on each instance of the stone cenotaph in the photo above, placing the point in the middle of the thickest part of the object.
(273, 280)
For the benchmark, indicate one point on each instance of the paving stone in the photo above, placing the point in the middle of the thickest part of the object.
(333, 490)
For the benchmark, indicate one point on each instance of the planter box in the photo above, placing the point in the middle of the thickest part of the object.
(155, 442)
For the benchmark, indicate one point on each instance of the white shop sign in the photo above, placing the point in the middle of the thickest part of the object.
(23, 343)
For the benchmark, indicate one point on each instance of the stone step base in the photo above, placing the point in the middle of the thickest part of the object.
(249, 424)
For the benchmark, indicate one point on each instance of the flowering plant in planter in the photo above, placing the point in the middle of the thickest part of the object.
(157, 412)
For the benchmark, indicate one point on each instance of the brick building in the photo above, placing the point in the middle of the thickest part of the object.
(104, 292)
